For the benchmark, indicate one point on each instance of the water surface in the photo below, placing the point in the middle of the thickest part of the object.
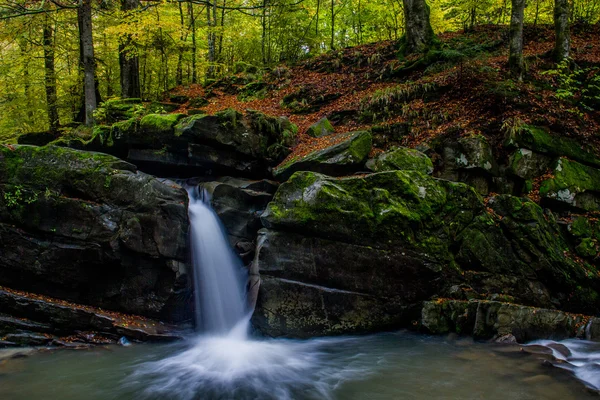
(385, 366)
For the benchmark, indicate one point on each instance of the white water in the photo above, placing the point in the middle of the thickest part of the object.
(581, 357)
(219, 276)
(223, 363)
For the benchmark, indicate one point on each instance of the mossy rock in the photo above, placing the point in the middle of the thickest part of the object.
(347, 156)
(159, 123)
(396, 206)
(588, 248)
(540, 141)
(527, 164)
(37, 138)
(571, 183)
(321, 128)
(119, 109)
(401, 158)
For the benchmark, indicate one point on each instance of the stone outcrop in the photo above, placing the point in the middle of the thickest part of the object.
(89, 228)
(492, 319)
(173, 144)
(346, 155)
(401, 158)
(362, 253)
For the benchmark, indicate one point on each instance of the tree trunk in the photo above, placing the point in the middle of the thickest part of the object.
(50, 76)
(515, 58)
(179, 72)
(129, 63)
(87, 50)
(562, 48)
(193, 24)
(332, 25)
(210, 73)
(419, 33)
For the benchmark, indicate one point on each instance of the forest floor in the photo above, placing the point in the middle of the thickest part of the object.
(462, 89)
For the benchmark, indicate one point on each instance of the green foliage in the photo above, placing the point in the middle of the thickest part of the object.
(580, 86)
(17, 196)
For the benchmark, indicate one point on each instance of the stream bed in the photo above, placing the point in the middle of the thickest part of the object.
(385, 366)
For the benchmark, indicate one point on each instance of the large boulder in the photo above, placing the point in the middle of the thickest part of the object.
(492, 319)
(573, 184)
(401, 158)
(88, 227)
(469, 159)
(346, 154)
(239, 204)
(389, 241)
(539, 140)
(172, 144)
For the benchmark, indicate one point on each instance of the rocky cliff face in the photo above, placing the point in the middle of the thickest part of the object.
(362, 253)
(89, 228)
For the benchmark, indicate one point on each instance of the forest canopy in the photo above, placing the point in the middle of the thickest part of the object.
(145, 48)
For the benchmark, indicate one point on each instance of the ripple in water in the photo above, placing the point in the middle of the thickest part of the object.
(229, 367)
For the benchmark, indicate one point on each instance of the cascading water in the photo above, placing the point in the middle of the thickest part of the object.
(219, 277)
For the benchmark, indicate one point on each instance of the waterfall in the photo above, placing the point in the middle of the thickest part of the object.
(219, 276)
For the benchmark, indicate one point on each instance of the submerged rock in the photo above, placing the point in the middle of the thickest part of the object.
(90, 228)
(346, 156)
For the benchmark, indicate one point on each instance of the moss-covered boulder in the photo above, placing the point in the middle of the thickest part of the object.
(115, 110)
(540, 141)
(403, 237)
(491, 319)
(347, 154)
(401, 158)
(88, 227)
(573, 184)
(321, 128)
(468, 159)
(527, 164)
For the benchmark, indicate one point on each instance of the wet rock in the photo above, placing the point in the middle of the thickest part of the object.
(401, 158)
(347, 156)
(488, 319)
(88, 227)
(60, 318)
(239, 204)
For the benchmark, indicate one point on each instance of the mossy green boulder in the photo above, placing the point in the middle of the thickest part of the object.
(541, 141)
(347, 155)
(89, 228)
(401, 158)
(403, 237)
(527, 164)
(321, 128)
(573, 184)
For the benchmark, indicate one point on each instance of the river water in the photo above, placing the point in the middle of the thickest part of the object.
(385, 366)
(223, 362)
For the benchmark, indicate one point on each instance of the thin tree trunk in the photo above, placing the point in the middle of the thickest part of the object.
(210, 73)
(129, 63)
(515, 59)
(317, 23)
(87, 50)
(264, 33)
(419, 33)
(50, 76)
(562, 48)
(194, 49)
(179, 72)
(332, 25)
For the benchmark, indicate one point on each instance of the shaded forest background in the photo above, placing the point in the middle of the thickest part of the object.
(172, 44)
